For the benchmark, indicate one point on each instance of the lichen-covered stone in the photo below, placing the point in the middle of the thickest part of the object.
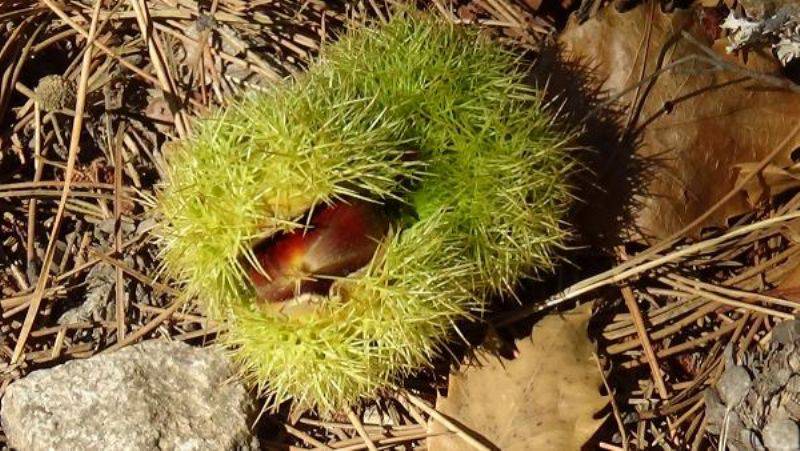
(156, 395)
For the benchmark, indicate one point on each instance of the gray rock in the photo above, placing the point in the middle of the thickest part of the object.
(735, 429)
(757, 402)
(715, 411)
(157, 395)
(785, 333)
(751, 440)
(734, 385)
(782, 435)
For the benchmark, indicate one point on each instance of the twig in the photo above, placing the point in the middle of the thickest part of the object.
(37, 164)
(735, 292)
(156, 58)
(627, 270)
(614, 407)
(727, 301)
(305, 437)
(157, 286)
(446, 423)
(724, 330)
(122, 61)
(360, 429)
(387, 442)
(73, 153)
(149, 327)
(644, 339)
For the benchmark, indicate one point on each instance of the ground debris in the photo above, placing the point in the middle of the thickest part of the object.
(778, 28)
(754, 405)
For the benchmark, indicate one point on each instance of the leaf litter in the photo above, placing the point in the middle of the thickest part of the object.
(546, 397)
(717, 275)
(696, 122)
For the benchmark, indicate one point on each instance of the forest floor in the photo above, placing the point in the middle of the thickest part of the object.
(685, 249)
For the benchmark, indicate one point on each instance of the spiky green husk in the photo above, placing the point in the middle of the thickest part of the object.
(486, 183)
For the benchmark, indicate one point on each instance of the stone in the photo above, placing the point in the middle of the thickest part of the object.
(782, 435)
(785, 333)
(734, 385)
(157, 395)
(756, 404)
(715, 411)
(751, 440)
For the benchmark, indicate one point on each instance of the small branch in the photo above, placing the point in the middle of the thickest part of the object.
(452, 427)
(644, 339)
(119, 284)
(360, 429)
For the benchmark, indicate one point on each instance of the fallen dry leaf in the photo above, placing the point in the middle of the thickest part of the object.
(787, 285)
(696, 124)
(771, 181)
(544, 399)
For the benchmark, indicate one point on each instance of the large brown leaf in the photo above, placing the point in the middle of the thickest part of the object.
(696, 124)
(545, 398)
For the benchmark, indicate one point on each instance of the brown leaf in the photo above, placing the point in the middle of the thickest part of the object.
(788, 284)
(771, 181)
(699, 123)
(545, 398)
